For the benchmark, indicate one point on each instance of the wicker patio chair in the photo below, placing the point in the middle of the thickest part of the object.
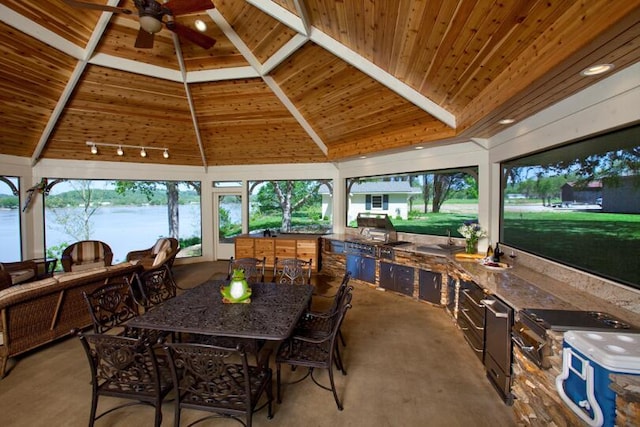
(219, 380)
(319, 352)
(86, 254)
(164, 251)
(125, 368)
(292, 270)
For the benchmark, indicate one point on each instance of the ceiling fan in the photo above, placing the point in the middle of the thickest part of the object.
(151, 15)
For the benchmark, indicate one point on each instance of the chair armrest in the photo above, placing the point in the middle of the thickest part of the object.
(140, 254)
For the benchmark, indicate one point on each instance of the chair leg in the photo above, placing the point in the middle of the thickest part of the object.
(270, 398)
(94, 407)
(279, 396)
(158, 419)
(344, 343)
(333, 388)
(176, 413)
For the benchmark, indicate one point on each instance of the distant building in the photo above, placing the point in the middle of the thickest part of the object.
(619, 194)
(588, 195)
(384, 197)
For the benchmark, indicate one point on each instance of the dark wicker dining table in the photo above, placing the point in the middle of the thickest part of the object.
(271, 315)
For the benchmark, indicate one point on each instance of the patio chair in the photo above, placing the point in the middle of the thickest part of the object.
(219, 380)
(164, 251)
(85, 255)
(125, 368)
(318, 352)
(110, 307)
(154, 286)
(253, 268)
(292, 270)
(316, 322)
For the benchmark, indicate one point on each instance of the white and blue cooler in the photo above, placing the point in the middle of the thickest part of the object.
(588, 358)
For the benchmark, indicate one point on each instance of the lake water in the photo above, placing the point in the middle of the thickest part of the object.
(123, 228)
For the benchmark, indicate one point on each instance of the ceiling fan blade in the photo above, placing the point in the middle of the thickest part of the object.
(94, 6)
(144, 40)
(180, 7)
(190, 34)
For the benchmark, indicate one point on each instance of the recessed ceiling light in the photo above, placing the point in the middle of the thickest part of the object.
(419, 147)
(363, 157)
(594, 70)
(506, 121)
(200, 25)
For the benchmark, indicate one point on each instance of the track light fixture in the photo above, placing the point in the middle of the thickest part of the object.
(120, 150)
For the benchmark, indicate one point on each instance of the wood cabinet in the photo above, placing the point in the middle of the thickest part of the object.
(265, 248)
(430, 286)
(396, 277)
(304, 247)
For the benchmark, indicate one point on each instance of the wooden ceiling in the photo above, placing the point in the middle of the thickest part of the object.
(295, 81)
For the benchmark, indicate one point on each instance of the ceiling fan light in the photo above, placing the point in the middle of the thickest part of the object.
(119, 151)
(150, 24)
(94, 149)
(143, 153)
(200, 25)
(166, 153)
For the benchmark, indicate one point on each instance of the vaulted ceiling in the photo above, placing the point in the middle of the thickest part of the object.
(295, 80)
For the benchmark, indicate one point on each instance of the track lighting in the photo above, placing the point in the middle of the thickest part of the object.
(120, 148)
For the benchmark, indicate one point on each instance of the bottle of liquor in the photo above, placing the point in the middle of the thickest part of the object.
(489, 251)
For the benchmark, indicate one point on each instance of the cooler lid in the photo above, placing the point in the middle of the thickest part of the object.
(616, 351)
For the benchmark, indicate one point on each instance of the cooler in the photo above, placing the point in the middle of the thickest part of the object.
(587, 360)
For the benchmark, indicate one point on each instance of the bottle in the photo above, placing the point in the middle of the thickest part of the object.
(489, 251)
(497, 253)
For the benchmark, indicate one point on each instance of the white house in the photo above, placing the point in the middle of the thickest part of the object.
(387, 197)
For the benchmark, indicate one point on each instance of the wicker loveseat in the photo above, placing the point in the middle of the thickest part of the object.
(36, 313)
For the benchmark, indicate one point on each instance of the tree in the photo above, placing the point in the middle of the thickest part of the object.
(77, 223)
(288, 196)
(173, 197)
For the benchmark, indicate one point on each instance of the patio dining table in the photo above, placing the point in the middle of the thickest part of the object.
(271, 315)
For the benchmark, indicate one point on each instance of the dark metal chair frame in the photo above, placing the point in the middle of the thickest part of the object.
(110, 306)
(312, 323)
(253, 268)
(154, 286)
(292, 270)
(219, 380)
(125, 368)
(314, 352)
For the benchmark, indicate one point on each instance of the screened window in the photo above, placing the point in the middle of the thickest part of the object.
(291, 206)
(578, 204)
(10, 250)
(127, 215)
(434, 202)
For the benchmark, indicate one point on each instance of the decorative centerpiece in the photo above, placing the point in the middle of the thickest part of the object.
(472, 232)
(238, 290)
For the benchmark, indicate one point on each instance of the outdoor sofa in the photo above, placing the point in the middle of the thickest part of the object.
(36, 313)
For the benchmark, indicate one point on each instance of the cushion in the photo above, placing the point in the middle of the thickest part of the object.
(161, 257)
(75, 274)
(161, 245)
(87, 251)
(27, 287)
(83, 266)
(20, 276)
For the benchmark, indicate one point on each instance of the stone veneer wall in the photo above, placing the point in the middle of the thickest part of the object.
(612, 292)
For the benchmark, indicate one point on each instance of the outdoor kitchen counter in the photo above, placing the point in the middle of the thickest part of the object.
(522, 287)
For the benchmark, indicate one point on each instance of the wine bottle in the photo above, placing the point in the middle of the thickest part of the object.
(489, 251)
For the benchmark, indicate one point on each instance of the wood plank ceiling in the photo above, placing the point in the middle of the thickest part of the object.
(292, 81)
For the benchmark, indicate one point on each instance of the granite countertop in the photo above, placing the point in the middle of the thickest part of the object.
(519, 286)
